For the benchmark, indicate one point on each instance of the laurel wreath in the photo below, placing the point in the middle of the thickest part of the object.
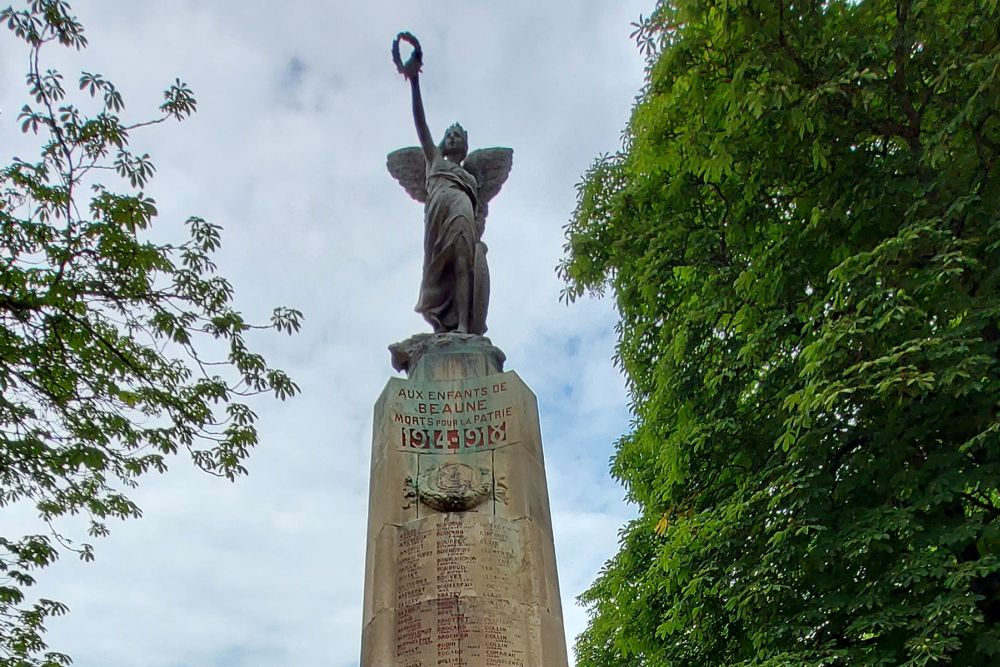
(412, 66)
(453, 499)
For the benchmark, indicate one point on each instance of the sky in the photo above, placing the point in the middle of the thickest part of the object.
(298, 104)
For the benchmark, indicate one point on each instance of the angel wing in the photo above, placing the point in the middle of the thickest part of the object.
(409, 167)
(490, 167)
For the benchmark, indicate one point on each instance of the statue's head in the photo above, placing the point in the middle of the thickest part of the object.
(455, 144)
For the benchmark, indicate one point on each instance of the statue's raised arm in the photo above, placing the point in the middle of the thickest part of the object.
(455, 188)
(411, 70)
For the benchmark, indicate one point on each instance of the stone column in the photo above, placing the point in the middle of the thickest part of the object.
(461, 568)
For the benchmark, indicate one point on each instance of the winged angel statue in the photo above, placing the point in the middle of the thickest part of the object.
(455, 187)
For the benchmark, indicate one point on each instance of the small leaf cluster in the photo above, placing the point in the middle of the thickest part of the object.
(802, 237)
(104, 335)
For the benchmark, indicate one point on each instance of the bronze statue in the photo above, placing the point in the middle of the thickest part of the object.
(455, 187)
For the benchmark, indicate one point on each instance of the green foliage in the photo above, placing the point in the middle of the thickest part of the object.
(803, 240)
(103, 335)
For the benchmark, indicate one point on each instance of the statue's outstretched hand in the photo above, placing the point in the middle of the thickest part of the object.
(411, 68)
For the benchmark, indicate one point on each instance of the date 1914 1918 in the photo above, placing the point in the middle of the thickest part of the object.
(474, 437)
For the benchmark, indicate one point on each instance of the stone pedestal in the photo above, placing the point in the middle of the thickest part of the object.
(461, 569)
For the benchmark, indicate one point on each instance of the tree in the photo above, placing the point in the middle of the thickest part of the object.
(106, 338)
(802, 237)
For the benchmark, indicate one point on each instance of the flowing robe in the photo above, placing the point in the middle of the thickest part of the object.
(449, 233)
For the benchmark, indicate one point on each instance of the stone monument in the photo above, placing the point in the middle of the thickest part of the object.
(460, 569)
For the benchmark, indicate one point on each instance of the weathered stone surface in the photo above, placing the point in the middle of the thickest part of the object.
(381, 574)
(525, 495)
(376, 653)
(461, 566)
(391, 476)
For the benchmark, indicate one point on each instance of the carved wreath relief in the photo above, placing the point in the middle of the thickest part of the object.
(450, 487)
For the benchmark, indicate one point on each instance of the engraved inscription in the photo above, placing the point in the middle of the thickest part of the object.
(453, 552)
(452, 416)
(413, 582)
(461, 596)
(472, 437)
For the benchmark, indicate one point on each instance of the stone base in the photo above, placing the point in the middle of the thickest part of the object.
(470, 349)
(461, 567)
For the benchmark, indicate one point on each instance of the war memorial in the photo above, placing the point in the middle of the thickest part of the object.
(460, 567)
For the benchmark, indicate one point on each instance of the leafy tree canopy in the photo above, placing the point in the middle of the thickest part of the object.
(802, 236)
(104, 335)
